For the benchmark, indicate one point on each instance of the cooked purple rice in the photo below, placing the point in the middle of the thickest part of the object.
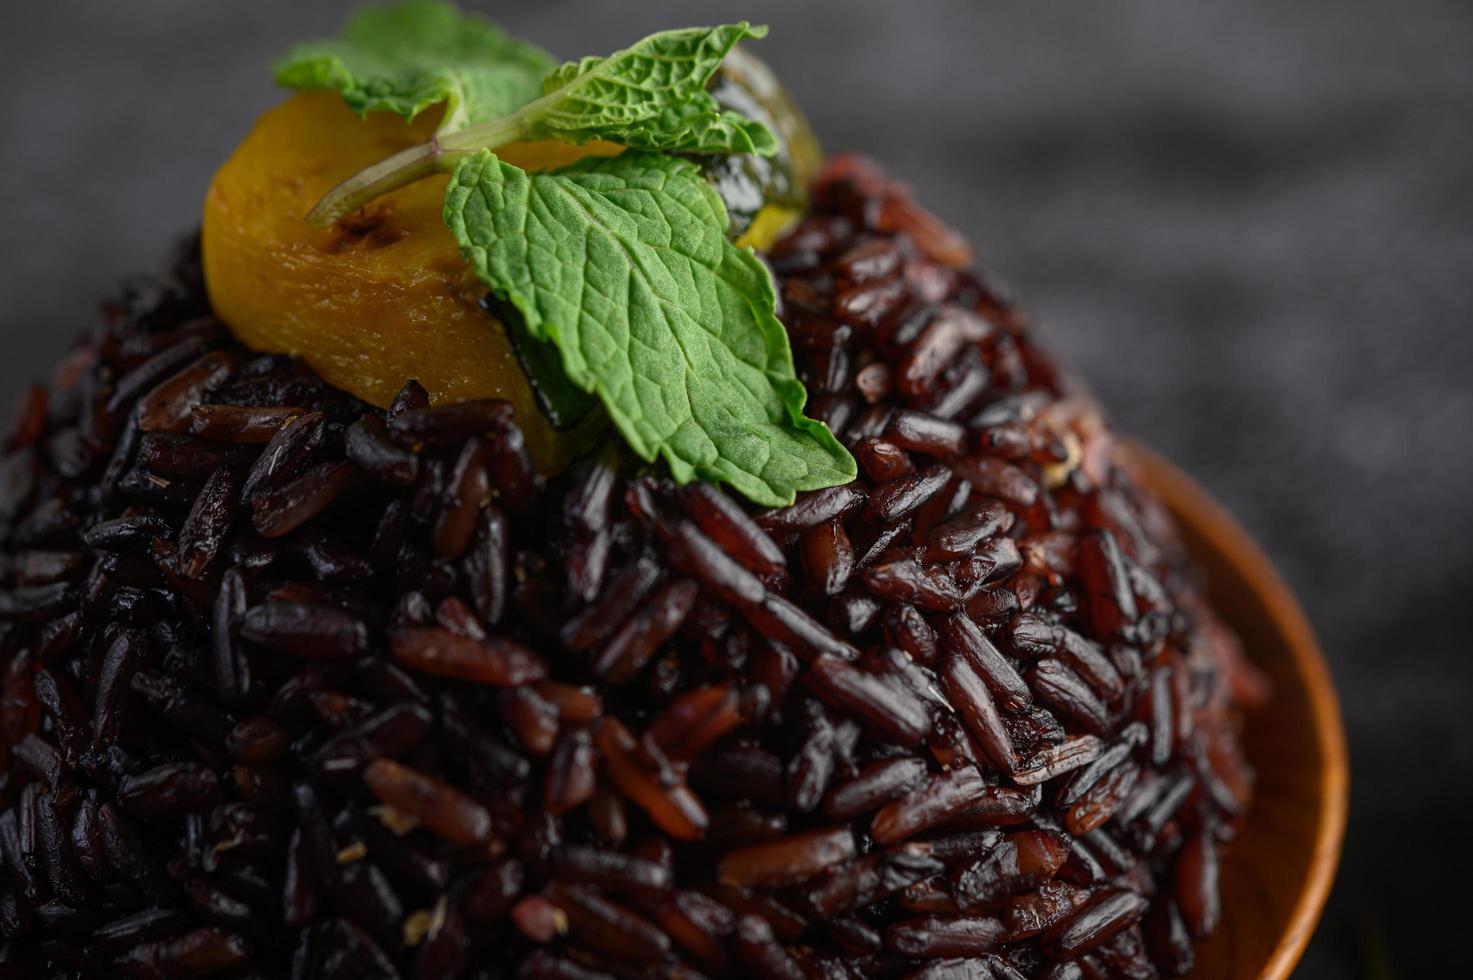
(297, 688)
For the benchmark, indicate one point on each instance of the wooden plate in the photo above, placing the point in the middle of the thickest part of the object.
(1277, 874)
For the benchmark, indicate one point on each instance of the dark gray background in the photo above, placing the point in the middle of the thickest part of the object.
(1249, 224)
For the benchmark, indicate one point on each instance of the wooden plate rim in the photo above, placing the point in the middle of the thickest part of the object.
(1194, 508)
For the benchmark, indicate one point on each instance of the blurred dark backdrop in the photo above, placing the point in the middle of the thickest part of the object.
(1249, 224)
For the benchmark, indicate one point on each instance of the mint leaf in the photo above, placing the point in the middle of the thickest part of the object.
(650, 96)
(623, 264)
(409, 57)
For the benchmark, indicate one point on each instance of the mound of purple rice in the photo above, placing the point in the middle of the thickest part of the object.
(297, 688)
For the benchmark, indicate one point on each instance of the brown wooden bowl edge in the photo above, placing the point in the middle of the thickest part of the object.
(1196, 511)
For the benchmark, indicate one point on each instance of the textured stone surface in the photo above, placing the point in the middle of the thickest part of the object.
(1269, 206)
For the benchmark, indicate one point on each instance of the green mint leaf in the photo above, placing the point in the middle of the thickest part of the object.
(414, 55)
(651, 96)
(623, 264)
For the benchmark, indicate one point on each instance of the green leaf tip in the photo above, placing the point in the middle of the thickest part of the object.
(652, 96)
(410, 56)
(623, 264)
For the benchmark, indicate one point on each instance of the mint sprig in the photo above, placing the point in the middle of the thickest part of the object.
(619, 269)
(406, 58)
(624, 265)
(651, 95)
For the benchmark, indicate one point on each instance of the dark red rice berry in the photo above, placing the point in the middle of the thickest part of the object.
(293, 687)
